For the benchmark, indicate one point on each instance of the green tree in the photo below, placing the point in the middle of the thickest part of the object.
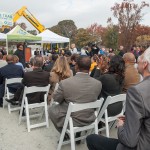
(110, 38)
(143, 40)
(56, 30)
(82, 37)
(65, 28)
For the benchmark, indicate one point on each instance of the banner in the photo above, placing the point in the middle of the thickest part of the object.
(6, 19)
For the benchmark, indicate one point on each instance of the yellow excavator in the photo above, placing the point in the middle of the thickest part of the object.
(28, 15)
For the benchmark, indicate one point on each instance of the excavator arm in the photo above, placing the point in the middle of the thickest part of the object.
(25, 12)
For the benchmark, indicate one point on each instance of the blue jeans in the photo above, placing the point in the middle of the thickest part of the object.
(99, 142)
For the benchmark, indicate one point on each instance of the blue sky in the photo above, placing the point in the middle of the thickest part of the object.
(82, 12)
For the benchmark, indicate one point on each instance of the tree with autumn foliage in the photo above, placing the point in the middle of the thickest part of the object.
(129, 15)
(82, 37)
(96, 32)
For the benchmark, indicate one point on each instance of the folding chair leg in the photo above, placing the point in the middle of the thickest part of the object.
(106, 123)
(72, 135)
(9, 109)
(4, 102)
(21, 112)
(27, 115)
(61, 139)
(46, 114)
(96, 125)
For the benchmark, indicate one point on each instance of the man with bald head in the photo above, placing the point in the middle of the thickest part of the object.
(9, 71)
(80, 88)
(132, 76)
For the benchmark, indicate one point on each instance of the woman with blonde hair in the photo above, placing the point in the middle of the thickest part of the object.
(16, 61)
(60, 71)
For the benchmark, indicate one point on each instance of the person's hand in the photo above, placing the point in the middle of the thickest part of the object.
(121, 121)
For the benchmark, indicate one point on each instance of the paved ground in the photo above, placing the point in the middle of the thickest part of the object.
(16, 137)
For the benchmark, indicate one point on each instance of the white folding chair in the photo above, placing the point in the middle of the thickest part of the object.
(111, 100)
(9, 95)
(72, 130)
(27, 107)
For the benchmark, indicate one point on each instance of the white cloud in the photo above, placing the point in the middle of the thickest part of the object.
(82, 12)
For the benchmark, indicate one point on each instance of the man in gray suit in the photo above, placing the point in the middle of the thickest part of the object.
(80, 88)
(134, 128)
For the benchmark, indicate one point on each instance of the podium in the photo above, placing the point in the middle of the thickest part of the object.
(27, 54)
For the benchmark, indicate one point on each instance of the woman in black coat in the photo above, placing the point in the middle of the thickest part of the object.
(112, 81)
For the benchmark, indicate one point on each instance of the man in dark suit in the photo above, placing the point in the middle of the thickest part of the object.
(37, 77)
(134, 128)
(9, 71)
(80, 88)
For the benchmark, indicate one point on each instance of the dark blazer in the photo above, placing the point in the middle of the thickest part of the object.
(135, 133)
(37, 77)
(10, 71)
(80, 88)
(49, 67)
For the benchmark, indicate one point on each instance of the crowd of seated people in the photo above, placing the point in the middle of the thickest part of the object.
(133, 128)
(81, 79)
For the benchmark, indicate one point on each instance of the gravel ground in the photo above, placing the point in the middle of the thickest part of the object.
(16, 137)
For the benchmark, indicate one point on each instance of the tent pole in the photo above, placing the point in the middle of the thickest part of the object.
(42, 51)
(7, 46)
(51, 46)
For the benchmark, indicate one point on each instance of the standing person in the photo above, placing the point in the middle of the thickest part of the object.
(121, 51)
(20, 53)
(73, 49)
(94, 50)
(80, 88)
(134, 128)
(3, 51)
(36, 52)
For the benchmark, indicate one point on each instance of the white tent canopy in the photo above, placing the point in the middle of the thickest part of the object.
(51, 37)
(3, 37)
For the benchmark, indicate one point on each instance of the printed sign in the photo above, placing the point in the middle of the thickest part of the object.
(6, 19)
(21, 32)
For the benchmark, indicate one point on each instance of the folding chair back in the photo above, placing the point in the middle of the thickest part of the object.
(29, 90)
(9, 95)
(72, 130)
(109, 101)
